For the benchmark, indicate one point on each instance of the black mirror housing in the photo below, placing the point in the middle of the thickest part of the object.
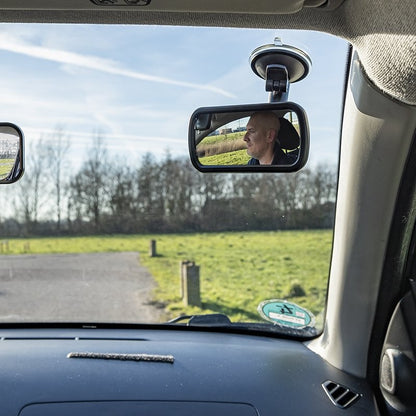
(11, 153)
(219, 142)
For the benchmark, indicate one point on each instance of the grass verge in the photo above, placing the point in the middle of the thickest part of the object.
(237, 270)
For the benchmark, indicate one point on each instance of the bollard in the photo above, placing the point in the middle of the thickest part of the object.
(181, 265)
(152, 248)
(190, 284)
(5, 246)
(182, 274)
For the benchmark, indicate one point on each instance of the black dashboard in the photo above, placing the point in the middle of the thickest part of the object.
(160, 372)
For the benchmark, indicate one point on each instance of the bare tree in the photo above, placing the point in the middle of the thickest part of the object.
(89, 188)
(123, 201)
(57, 149)
(30, 189)
(178, 180)
(150, 194)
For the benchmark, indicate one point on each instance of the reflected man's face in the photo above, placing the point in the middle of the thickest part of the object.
(259, 140)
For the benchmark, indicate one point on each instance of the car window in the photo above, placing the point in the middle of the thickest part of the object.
(111, 222)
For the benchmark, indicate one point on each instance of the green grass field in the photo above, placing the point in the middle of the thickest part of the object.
(238, 157)
(6, 166)
(225, 149)
(237, 270)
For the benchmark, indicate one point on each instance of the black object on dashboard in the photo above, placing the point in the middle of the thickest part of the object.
(123, 357)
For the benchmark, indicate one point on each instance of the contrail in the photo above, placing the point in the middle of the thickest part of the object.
(10, 44)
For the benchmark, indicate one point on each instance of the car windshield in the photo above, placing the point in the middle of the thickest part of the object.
(111, 223)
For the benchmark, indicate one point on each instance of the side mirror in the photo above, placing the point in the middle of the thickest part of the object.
(11, 153)
(245, 138)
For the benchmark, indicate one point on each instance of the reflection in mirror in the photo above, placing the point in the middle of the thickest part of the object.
(11, 147)
(262, 138)
(265, 137)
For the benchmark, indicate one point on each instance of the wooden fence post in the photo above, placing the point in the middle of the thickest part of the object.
(152, 248)
(182, 265)
(190, 287)
(4, 246)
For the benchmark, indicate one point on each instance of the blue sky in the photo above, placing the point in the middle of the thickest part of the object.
(138, 86)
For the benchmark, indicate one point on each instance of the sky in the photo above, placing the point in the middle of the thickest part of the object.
(137, 86)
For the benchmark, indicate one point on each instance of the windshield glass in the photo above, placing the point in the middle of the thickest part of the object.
(112, 223)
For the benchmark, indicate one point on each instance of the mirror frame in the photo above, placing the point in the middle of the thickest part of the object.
(245, 111)
(18, 168)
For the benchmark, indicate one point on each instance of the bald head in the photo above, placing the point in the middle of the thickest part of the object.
(262, 130)
(266, 120)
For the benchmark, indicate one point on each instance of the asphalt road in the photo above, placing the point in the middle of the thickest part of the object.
(98, 287)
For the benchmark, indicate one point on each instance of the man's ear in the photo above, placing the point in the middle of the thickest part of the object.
(271, 135)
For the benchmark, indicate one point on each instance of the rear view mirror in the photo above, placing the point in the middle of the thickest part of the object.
(260, 137)
(11, 153)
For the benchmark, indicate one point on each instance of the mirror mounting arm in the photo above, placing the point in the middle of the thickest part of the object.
(277, 83)
(279, 65)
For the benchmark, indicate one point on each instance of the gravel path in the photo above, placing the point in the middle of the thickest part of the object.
(98, 287)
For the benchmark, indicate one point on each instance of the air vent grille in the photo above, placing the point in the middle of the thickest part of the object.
(340, 396)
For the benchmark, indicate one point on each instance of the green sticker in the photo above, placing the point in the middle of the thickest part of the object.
(286, 313)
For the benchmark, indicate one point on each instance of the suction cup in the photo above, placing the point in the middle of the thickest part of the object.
(296, 61)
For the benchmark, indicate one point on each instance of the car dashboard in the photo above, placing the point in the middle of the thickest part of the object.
(93, 371)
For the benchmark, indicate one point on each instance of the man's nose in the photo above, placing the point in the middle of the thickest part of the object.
(245, 138)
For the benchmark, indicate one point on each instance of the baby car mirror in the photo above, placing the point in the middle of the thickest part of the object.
(262, 137)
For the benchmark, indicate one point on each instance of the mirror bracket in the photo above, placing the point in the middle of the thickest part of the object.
(279, 65)
(277, 83)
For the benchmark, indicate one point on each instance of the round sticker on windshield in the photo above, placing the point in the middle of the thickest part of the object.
(286, 314)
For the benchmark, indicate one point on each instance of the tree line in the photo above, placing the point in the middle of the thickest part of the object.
(106, 195)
